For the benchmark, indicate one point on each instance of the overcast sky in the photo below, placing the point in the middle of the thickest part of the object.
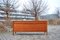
(53, 4)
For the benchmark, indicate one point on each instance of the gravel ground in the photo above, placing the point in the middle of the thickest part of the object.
(53, 34)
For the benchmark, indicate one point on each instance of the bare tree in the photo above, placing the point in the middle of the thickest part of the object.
(8, 6)
(37, 7)
(58, 12)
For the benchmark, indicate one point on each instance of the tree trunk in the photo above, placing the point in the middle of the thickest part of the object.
(36, 17)
(7, 15)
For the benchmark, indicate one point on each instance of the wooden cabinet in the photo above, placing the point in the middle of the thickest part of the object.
(29, 26)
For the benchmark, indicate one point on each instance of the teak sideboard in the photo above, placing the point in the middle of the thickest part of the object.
(29, 26)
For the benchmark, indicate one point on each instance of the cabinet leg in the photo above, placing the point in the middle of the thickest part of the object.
(46, 33)
(14, 33)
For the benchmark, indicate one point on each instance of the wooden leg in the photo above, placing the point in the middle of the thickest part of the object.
(46, 33)
(14, 33)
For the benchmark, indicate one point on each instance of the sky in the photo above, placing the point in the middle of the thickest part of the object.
(52, 5)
